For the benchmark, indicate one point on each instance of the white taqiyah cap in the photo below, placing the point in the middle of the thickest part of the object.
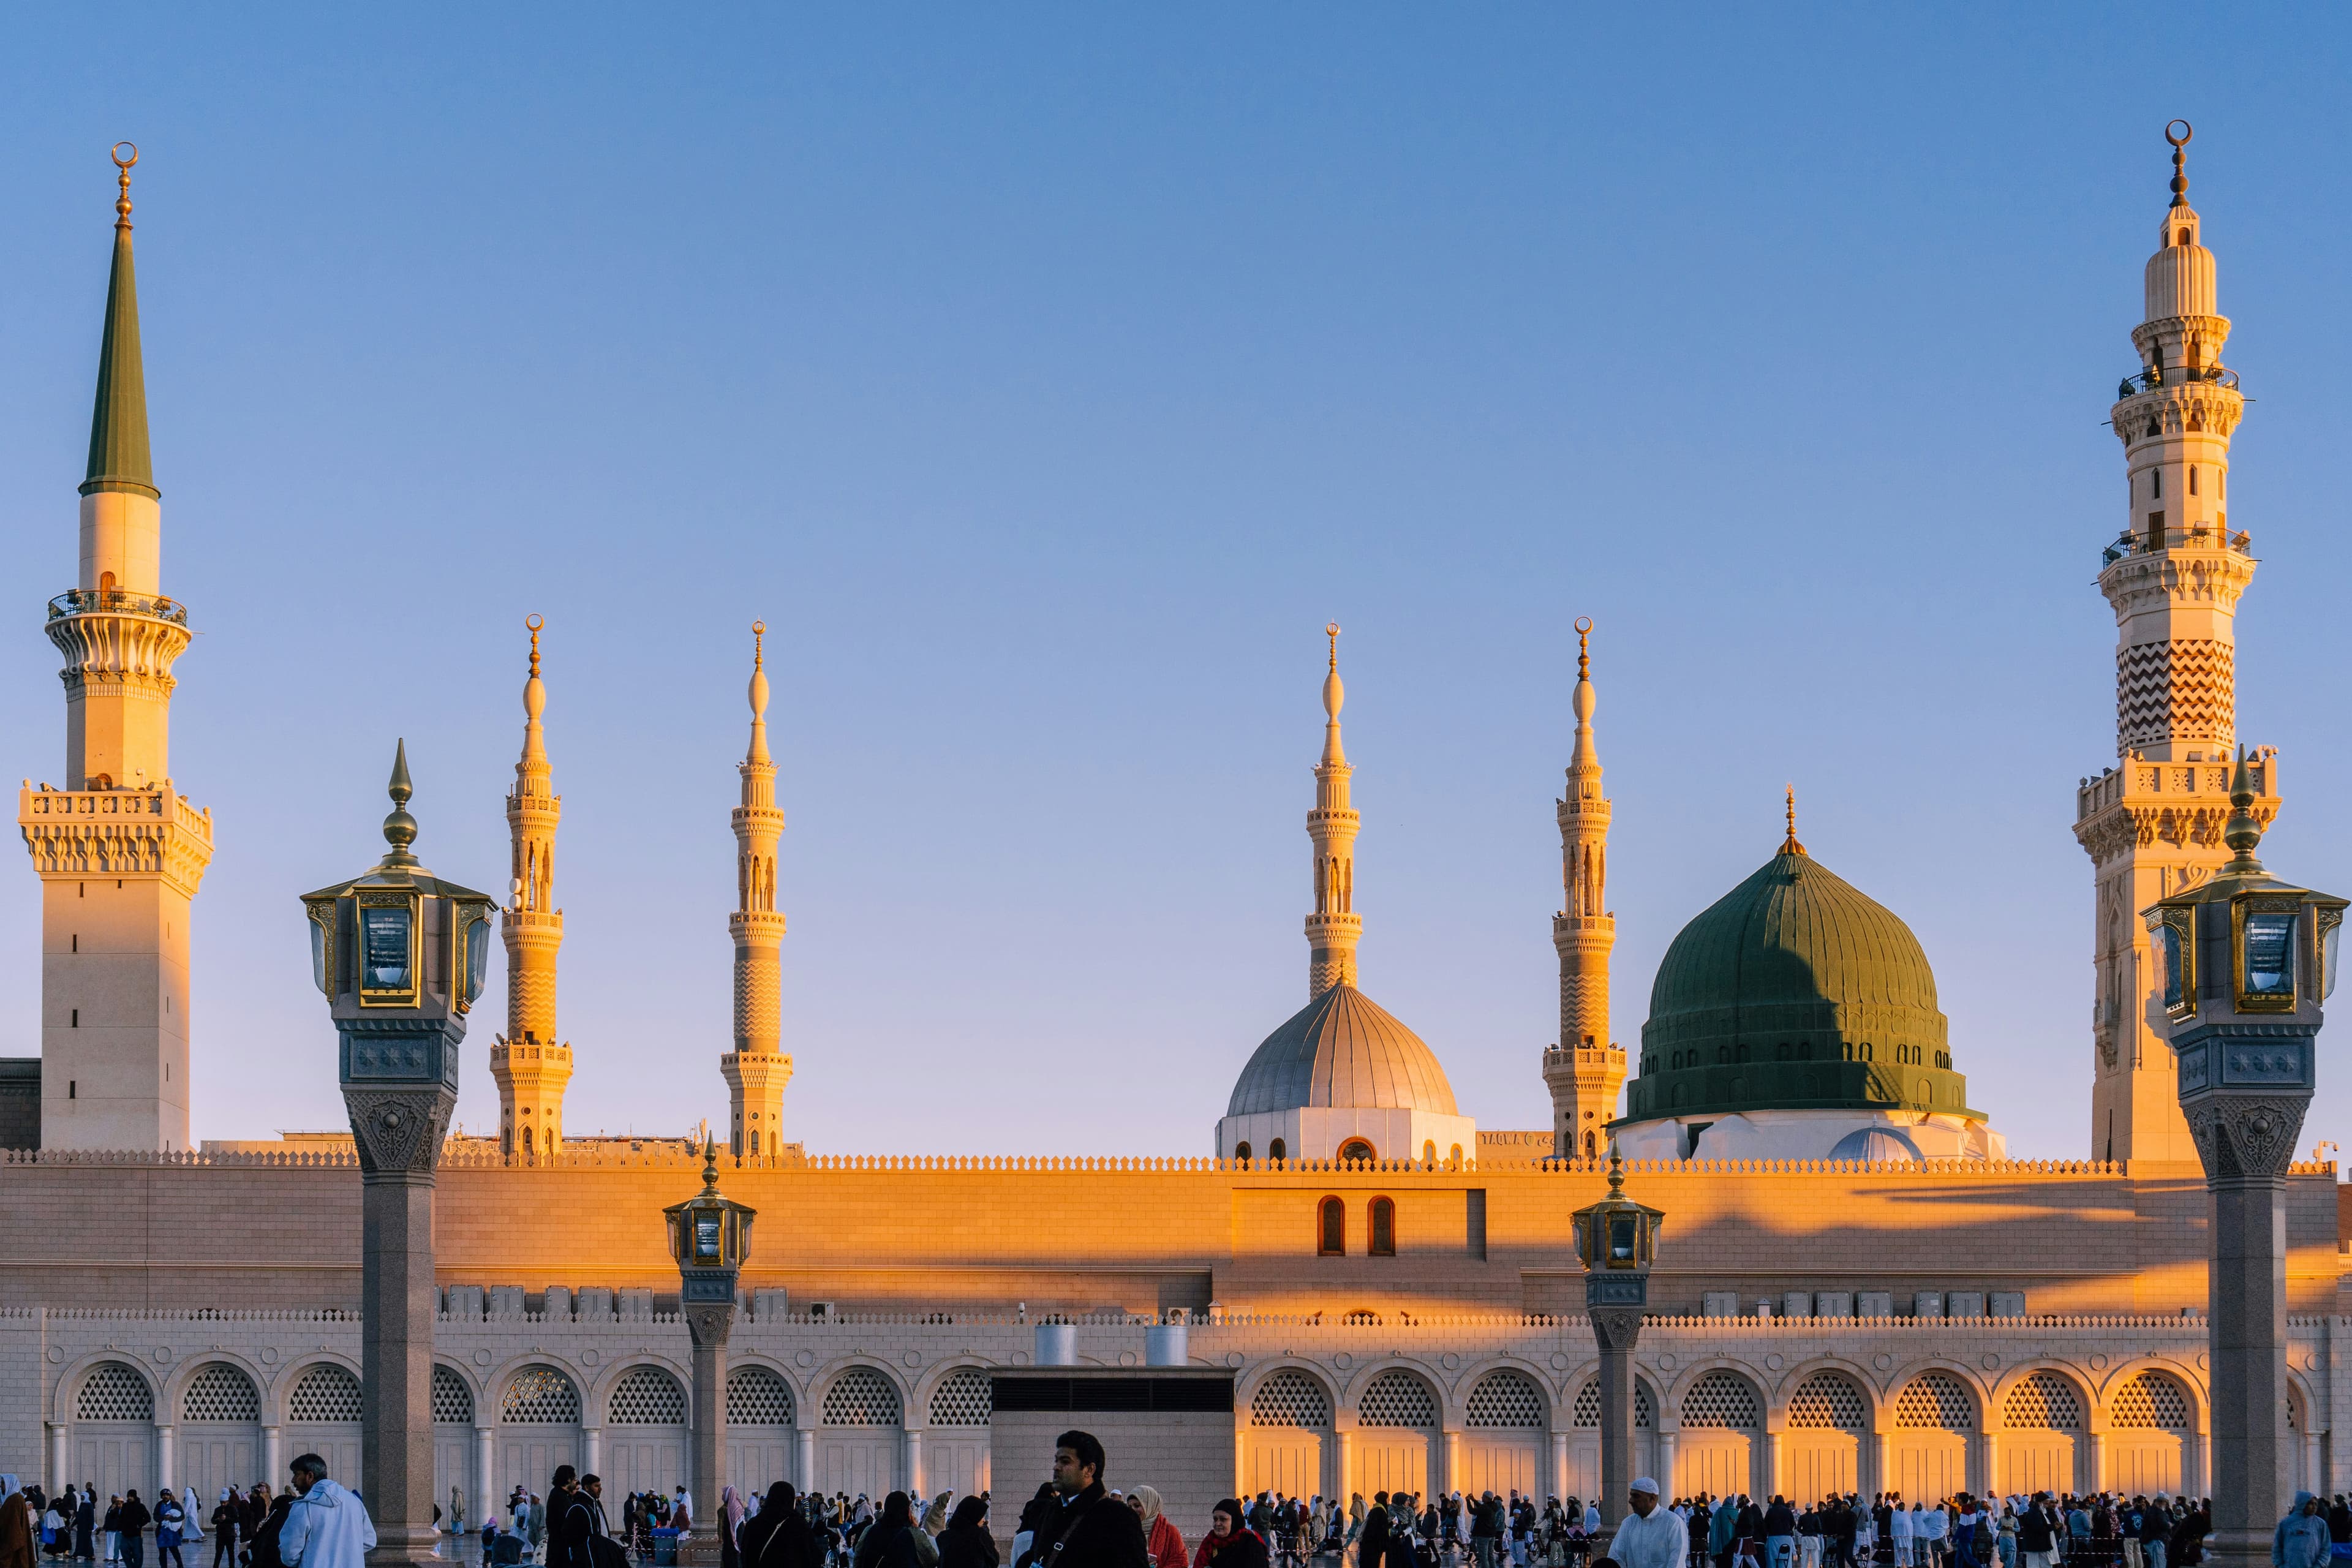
(1644, 1484)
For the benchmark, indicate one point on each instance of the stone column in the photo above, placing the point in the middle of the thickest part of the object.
(1344, 1440)
(1616, 1329)
(1988, 1484)
(1667, 1437)
(54, 1452)
(1879, 1465)
(399, 1132)
(709, 1322)
(1558, 1466)
(915, 1464)
(804, 1457)
(1772, 1463)
(2246, 1143)
(166, 1450)
(485, 1466)
(1452, 1460)
(273, 1454)
(2093, 1468)
(592, 1446)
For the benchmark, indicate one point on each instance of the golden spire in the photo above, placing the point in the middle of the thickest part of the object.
(2180, 160)
(1790, 846)
(1335, 696)
(122, 202)
(1583, 647)
(535, 623)
(759, 694)
(2243, 831)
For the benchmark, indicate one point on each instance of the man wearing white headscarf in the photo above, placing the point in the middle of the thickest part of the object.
(1649, 1536)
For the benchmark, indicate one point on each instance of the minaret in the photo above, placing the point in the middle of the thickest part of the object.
(1333, 929)
(1586, 1069)
(118, 851)
(756, 1070)
(2152, 823)
(530, 1065)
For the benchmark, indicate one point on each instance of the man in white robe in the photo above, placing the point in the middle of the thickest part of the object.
(1649, 1536)
(327, 1527)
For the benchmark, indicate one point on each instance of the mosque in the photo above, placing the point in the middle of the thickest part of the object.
(1856, 1287)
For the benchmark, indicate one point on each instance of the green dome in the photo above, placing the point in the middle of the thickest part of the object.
(1795, 991)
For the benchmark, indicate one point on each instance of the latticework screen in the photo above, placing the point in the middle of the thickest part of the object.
(2044, 1399)
(1504, 1399)
(220, 1392)
(539, 1396)
(647, 1396)
(453, 1402)
(1588, 1407)
(1290, 1398)
(1826, 1399)
(113, 1391)
(757, 1396)
(2151, 1399)
(325, 1393)
(1721, 1399)
(963, 1398)
(1397, 1398)
(861, 1397)
(1937, 1401)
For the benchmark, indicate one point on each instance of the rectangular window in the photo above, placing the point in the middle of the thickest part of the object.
(1331, 1228)
(73, 1088)
(2156, 531)
(1475, 1241)
(77, 942)
(75, 1019)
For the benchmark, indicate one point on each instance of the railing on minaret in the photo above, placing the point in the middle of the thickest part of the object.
(757, 1070)
(531, 1065)
(1585, 1069)
(1333, 929)
(120, 852)
(2152, 823)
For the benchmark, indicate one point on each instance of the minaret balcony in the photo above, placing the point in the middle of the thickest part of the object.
(2132, 541)
(115, 601)
(2157, 380)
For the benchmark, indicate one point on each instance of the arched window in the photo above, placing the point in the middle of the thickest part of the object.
(1331, 1228)
(1382, 1229)
(1356, 1151)
(1277, 1150)
(1429, 1152)
(2192, 479)
(1242, 1150)
(2156, 484)
(1457, 1155)
(1591, 1147)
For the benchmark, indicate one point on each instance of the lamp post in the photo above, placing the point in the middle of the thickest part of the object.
(399, 954)
(2249, 961)
(1618, 1240)
(709, 1236)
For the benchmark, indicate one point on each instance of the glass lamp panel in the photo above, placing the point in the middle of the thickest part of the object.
(2329, 942)
(1621, 1239)
(706, 1237)
(478, 958)
(2270, 953)
(2168, 941)
(383, 946)
(319, 956)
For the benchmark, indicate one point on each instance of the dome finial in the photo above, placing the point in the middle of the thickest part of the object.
(399, 827)
(1335, 695)
(2180, 160)
(533, 623)
(1790, 846)
(1616, 1173)
(1583, 647)
(122, 202)
(758, 694)
(2243, 831)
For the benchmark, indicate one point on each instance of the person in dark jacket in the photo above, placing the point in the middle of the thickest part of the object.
(132, 1523)
(1093, 1529)
(264, 1552)
(778, 1536)
(965, 1542)
(85, 1523)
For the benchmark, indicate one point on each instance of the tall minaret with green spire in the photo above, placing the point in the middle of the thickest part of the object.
(120, 852)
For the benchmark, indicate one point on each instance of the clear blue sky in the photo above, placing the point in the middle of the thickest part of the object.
(1046, 377)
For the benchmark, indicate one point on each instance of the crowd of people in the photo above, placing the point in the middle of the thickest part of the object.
(314, 1523)
(1076, 1520)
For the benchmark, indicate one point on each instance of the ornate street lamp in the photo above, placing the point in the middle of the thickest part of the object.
(2248, 962)
(1618, 1240)
(709, 1236)
(400, 956)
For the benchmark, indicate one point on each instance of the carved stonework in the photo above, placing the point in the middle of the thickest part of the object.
(2246, 1137)
(1616, 1328)
(710, 1325)
(399, 1130)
